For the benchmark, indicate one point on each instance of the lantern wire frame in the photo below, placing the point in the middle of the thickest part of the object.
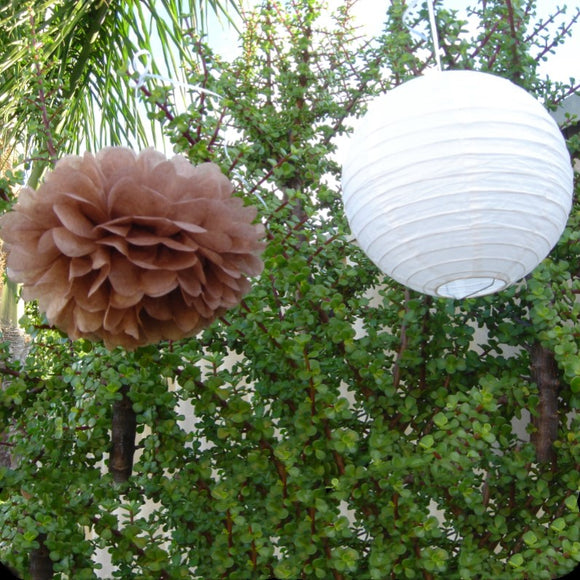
(470, 287)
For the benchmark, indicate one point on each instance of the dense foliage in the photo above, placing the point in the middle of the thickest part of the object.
(335, 425)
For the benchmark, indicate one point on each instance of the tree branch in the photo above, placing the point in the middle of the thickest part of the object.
(545, 375)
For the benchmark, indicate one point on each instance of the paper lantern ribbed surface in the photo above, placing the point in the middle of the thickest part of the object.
(457, 184)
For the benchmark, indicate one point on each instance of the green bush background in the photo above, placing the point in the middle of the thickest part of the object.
(315, 430)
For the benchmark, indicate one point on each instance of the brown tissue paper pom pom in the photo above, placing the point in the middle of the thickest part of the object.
(132, 248)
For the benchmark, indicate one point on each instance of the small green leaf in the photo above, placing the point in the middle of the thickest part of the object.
(530, 538)
(558, 525)
(517, 561)
(440, 420)
(571, 503)
(30, 535)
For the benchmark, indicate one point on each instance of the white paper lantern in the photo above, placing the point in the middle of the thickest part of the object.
(458, 183)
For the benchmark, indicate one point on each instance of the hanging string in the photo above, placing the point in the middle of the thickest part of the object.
(406, 21)
(143, 72)
(432, 26)
(142, 69)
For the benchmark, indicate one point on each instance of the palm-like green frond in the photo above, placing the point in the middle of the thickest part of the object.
(64, 66)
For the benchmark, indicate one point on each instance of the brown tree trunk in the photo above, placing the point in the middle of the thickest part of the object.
(123, 435)
(40, 562)
(546, 376)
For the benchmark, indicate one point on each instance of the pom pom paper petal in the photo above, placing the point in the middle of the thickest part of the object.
(132, 248)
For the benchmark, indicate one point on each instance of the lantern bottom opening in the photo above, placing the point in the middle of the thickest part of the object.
(470, 287)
